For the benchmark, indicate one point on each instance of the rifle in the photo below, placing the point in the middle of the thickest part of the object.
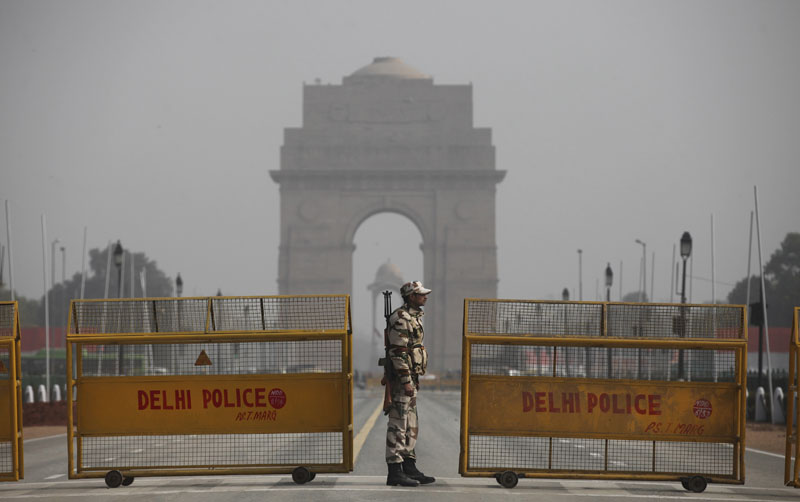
(386, 361)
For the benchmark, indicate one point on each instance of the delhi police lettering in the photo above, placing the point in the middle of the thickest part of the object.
(571, 402)
(181, 399)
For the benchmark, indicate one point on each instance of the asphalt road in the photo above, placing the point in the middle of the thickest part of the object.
(438, 449)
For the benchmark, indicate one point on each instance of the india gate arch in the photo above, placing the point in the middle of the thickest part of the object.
(388, 140)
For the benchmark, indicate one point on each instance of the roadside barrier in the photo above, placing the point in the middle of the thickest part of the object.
(791, 475)
(11, 452)
(603, 391)
(220, 385)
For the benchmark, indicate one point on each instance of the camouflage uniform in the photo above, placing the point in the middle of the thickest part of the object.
(409, 361)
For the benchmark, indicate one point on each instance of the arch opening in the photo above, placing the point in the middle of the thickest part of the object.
(380, 238)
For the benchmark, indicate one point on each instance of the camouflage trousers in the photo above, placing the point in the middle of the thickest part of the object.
(401, 433)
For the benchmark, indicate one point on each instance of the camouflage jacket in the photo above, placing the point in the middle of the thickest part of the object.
(406, 349)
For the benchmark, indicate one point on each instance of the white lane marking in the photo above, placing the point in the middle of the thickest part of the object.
(109, 459)
(765, 453)
(138, 450)
(361, 437)
(54, 476)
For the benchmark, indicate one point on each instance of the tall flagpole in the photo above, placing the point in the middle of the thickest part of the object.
(764, 304)
(46, 310)
(749, 253)
(672, 277)
(83, 264)
(10, 256)
(713, 270)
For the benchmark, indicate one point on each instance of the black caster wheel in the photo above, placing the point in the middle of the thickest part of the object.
(126, 481)
(508, 479)
(113, 479)
(301, 475)
(313, 475)
(685, 484)
(696, 484)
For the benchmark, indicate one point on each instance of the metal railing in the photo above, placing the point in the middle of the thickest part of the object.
(11, 451)
(220, 385)
(603, 390)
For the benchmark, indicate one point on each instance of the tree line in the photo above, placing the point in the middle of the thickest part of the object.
(157, 284)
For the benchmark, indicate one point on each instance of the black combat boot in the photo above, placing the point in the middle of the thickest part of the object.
(410, 468)
(398, 477)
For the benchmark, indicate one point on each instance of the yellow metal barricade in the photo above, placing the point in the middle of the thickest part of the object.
(791, 474)
(11, 454)
(220, 385)
(604, 391)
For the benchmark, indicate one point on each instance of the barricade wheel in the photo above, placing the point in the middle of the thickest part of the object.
(126, 481)
(697, 484)
(508, 479)
(301, 475)
(685, 484)
(113, 479)
(313, 475)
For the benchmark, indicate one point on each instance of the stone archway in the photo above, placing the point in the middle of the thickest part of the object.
(389, 140)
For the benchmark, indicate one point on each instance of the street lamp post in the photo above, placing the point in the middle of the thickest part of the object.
(118, 254)
(643, 281)
(63, 303)
(580, 274)
(178, 292)
(609, 282)
(686, 252)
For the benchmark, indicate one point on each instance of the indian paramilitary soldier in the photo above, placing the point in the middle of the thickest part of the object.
(409, 360)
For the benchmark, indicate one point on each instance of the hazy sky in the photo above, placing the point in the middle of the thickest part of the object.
(156, 123)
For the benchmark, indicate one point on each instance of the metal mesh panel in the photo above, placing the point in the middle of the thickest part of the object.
(228, 450)
(500, 452)
(585, 454)
(300, 313)
(675, 321)
(302, 356)
(139, 316)
(578, 454)
(5, 375)
(326, 313)
(6, 458)
(533, 318)
(596, 362)
(7, 319)
(630, 455)
(685, 457)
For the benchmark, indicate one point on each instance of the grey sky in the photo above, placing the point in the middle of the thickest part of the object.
(156, 123)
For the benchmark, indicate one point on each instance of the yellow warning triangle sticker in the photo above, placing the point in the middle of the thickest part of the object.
(3, 368)
(202, 359)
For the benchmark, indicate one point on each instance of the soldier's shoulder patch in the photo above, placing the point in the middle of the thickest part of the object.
(399, 316)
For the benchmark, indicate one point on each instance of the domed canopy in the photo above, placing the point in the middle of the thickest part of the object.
(388, 273)
(388, 67)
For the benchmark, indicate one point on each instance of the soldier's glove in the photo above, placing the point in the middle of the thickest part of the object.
(409, 389)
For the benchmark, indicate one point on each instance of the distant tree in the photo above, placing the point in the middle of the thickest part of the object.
(634, 297)
(781, 280)
(28, 308)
